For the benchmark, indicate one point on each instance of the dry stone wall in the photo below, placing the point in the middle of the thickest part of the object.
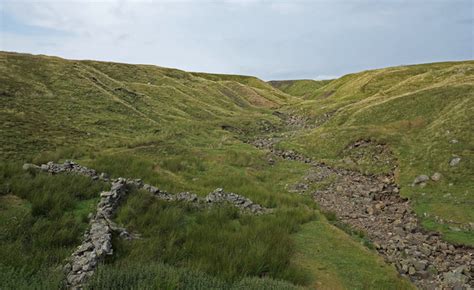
(97, 241)
(218, 196)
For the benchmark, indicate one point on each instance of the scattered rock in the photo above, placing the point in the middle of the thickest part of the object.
(436, 176)
(372, 204)
(243, 203)
(29, 166)
(455, 161)
(421, 179)
(455, 278)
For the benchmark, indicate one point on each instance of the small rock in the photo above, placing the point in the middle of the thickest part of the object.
(420, 265)
(106, 193)
(379, 206)
(67, 267)
(454, 229)
(28, 166)
(76, 267)
(420, 179)
(436, 176)
(103, 175)
(454, 278)
(370, 210)
(455, 161)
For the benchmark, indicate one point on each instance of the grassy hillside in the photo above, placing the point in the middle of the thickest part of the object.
(425, 115)
(301, 88)
(164, 126)
(53, 102)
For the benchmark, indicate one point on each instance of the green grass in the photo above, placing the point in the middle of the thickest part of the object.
(161, 276)
(334, 269)
(42, 219)
(219, 241)
(165, 126)
(13, 278)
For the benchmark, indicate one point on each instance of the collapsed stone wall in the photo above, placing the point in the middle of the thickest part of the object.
(218, 196)
(97, 241)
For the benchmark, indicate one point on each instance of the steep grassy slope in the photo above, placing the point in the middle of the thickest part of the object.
(301, 88)
(424, 113)
(166, 127)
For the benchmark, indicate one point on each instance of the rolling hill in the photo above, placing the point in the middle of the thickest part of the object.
(194, 132)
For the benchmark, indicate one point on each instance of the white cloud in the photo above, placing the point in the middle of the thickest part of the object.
(271, 39)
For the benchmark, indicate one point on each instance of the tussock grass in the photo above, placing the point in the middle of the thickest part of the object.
(219, 241)
(161, 276)
(42, 219)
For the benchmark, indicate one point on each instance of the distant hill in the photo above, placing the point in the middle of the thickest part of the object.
(301, 88)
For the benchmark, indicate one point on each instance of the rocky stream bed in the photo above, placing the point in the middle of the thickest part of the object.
(372, 204)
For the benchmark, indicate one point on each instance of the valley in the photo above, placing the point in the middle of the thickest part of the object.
(233, 182)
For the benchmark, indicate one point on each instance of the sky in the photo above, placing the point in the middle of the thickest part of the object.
(270, 39)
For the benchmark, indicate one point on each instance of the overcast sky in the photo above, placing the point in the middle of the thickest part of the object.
(270, 39)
